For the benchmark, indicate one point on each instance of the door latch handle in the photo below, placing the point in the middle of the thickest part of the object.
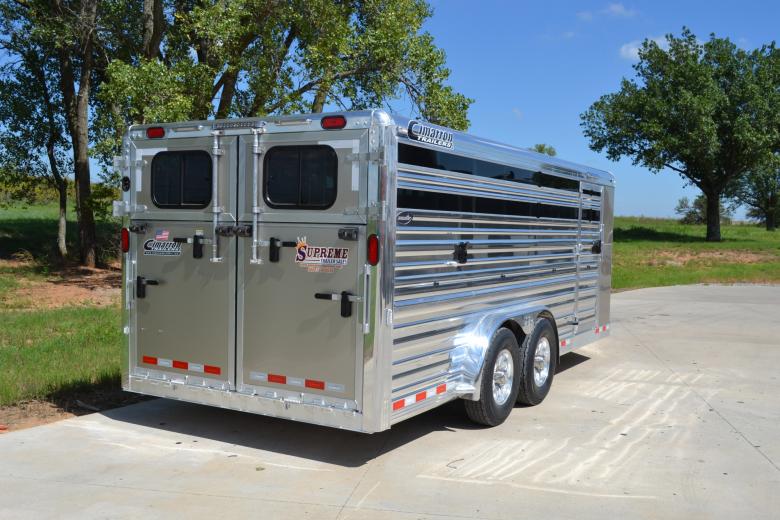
(346, 299)
(274, 246)
(140, 286)
(596, 247)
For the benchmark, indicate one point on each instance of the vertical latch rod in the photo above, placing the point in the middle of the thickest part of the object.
(216, 151)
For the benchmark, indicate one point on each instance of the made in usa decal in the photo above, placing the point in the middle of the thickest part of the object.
(320, 259)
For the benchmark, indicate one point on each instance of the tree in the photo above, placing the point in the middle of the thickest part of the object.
(545, 149)
(202, 58)
(68, 32)
(759, 190)
(708, 111)
(696, 212)
(32, 136)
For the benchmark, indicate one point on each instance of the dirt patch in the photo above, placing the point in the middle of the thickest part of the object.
(681, 258)
(80, 286)
(37, 412)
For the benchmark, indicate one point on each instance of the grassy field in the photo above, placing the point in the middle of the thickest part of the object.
(656, 252)
(46, 352)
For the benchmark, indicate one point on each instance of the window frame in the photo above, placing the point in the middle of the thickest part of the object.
(182, 205)
(298, 205)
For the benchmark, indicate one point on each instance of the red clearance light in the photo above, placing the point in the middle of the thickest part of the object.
(333, 122)
(155, 132)
(124, 240)
(373, 250)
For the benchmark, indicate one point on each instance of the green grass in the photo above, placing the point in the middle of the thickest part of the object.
(49, 353)
(45, 353)
(657, 252)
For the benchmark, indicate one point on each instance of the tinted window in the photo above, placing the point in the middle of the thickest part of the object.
(455, 163)
(300, 177)
(414, 199)
(181, 180)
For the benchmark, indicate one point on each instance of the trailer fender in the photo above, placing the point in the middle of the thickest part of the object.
(478, 340)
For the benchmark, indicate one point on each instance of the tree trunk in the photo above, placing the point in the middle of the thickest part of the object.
(320, 97)
(77, 117)
(62, 224)
(771, 220)
(154, 28)
(713, 216)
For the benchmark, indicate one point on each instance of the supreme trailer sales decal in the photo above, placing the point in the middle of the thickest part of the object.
(319, 259)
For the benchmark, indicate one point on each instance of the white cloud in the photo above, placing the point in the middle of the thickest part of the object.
(630, 51)
(619, 10)
(585, 16)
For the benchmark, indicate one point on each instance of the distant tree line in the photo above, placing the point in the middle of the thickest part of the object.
(709, 111)
(75, 73)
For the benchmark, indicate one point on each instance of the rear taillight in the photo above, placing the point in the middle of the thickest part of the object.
(124, 240)
(373, 250)
(155, 132)
(333, 122)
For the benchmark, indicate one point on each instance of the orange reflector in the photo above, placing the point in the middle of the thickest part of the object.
(313, 383)
(333, 122)
(155, 132)
(373, 250)
(275, 378)
(124, 240)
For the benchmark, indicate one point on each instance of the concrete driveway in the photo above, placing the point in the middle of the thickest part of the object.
(676, 415)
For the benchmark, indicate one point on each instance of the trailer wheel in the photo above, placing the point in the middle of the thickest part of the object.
(499, 381)
(539, 356)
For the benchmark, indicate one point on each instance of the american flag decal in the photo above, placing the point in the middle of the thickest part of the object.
(161, 234)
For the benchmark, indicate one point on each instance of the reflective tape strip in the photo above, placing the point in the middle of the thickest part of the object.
(282, 379)
(563, 342)
(181, 365)
(602, 328)
(420, 396)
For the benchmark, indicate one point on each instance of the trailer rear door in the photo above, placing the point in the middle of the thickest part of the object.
(301, 308)
(183, 327)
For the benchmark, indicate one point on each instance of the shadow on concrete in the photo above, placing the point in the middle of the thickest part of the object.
(329, 445)
(570, 360)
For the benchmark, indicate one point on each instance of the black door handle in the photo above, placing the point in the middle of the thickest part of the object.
(345, 298)
(596, 248)
(274, 246)
(140, 286)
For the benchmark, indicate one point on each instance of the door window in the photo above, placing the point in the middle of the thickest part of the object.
(181, 180)
(301, 177)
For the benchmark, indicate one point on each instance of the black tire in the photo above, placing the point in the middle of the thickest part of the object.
(529, 392)
(487, 411)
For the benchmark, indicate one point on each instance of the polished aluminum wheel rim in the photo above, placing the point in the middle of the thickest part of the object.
(542, 362)
(503, 376)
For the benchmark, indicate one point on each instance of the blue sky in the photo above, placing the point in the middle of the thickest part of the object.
(533, 67)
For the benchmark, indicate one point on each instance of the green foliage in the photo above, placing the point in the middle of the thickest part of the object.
(708, 111)
(545, 149)
(696, 212)
(759, 190)
(252, 58)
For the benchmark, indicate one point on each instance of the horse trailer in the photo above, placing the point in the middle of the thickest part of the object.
(355, 269)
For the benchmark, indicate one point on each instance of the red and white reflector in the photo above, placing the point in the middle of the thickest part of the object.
(124, 239)
(420, 396)
(155, 132)
(373, 250)
(333, 122)
(181, 365)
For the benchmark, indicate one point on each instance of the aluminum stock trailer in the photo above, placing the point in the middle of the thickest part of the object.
(355, 269)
